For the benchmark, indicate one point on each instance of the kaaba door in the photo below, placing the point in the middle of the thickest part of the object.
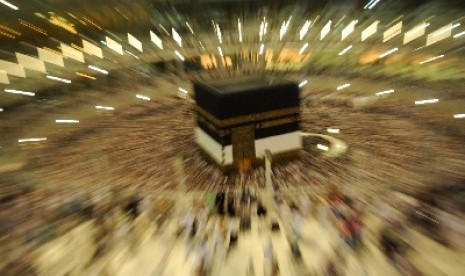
(243, 142)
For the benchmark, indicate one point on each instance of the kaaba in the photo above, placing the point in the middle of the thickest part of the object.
(239, 119)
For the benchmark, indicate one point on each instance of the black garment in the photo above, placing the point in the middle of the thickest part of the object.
(133, 208)
(231, 209)
(261, 210)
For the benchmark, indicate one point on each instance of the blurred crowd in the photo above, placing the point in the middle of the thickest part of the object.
(117, 174)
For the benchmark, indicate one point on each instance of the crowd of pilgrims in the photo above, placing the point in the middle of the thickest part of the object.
(114, 158)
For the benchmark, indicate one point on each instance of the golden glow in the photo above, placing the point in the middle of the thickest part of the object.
(85, 76)
(33, 27)
(10, 30)
(92, 23)
(62, 23)
(7, 35)
(208, 61)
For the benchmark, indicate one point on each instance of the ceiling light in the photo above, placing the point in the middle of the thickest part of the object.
(333, 130)
(368, 4)
(303, 83)
(284, 28)
(142, 97)
(345, 50)
(348, 29)
(303, 48)
(388, 52)
(373, 4)
(262, 48)
(58, 79)
(459, 116)
(155, 39)
(13, 91)
(1, 109)
(24, 140)
(176, 37)
(66, 121)
(6, 3)
(190, 28)
(218, 33)
(432, 59)
(182, 90)
(104, 107)
(239, 27)
(131, 54)
(220, 51)
(95, 68)
(85, 76)
(345, 85)
(179, 55)
(322, 147)
(444, 30)
(459, 34)
(430, 101)
(384, 92)
(304, 29)
(325, 30)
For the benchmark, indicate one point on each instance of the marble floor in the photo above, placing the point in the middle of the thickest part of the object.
(160, 254)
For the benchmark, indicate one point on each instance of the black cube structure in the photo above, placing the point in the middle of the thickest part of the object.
(238, 119)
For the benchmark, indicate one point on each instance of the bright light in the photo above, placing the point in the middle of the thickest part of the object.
(384, 92)
(432, 59)
(95, 68)
(322, 147)
(261, 33)
(459, 34)
(345, 50)
(190, 28)
(142, 97)
(415, 32)
(459, 116)
(345, 85)
(333, 130)
(284, 28)
(239, 27)
(262, 48)
(304, 29)
(302, 84)
(85, 76)
(131, 54)
(348, 29)
(1, 109)
(325, 30)
(58, 79)
(156, 40)
(369, 3)
(444, 30)
(176, 37)
(182, 90)
(179, 55)
(103, 42)
(67, 121)
(430, 101)
(373, 4)
(220, 51)
(24, 140)
(104, 107)
(13, 91)
(388, 52)
(218, 34)
(370, 30)
(6, 3)
(303, 48)
(392, 31)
